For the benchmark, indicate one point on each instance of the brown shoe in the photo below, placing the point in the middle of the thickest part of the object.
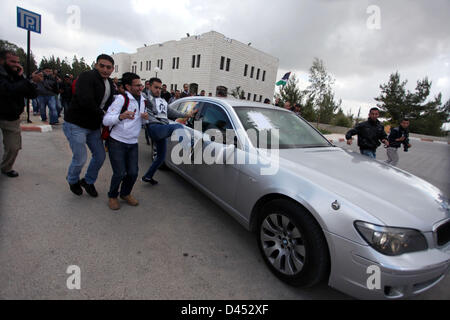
(114, 204)
(130, 200)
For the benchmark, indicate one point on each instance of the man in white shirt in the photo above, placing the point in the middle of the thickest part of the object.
(125, 116)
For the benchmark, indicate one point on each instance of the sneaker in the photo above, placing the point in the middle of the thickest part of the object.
(11, 174)
(130, 200)
(76, 188)
(114, 204)
(151, 181)
(90, 188)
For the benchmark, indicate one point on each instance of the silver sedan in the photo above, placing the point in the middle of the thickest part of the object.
(319, 213)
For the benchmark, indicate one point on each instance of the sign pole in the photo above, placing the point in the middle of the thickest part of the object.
(29, 21)
(28, 70)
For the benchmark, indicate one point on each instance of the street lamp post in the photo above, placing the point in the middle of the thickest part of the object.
(157, 70)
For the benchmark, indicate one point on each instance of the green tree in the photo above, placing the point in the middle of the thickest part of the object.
(320, 92)
(290, 92)
(21, 53)
(308, 111)
(395, 102)
(342, 120)
(79, 66)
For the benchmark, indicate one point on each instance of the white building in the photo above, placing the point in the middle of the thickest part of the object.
(206, 62)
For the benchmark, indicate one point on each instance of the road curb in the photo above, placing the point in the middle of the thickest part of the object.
(36, 128)
(334, 138)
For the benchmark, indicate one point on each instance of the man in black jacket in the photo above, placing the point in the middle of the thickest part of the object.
(397, 137)
(94, 93)
(14, 88)
(370, 133)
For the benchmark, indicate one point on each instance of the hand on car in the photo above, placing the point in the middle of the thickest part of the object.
(145, 116)
(192, 113)
(349, 142)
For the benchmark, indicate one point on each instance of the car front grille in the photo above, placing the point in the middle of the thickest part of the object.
(443, 234)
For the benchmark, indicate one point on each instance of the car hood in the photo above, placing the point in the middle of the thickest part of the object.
(393, 196)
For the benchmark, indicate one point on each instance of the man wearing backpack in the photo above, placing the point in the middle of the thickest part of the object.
(94, 92)
(125, 118)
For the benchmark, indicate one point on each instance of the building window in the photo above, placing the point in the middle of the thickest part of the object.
(260, 98)
(116, 68)
(162, 61)
(254, 97)
(249, 95)
(173, 63)
(176, 87)
(252, 72)
(142, 63)
(245, 70)
(257, 74)
(228, 64)
(178, 63)
(198, 61)
(193, 61)
(264, 76)
(222, 63)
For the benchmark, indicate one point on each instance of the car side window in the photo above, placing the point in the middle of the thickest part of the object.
(214, 118)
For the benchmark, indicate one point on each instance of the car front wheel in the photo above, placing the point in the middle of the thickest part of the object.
(292, 244)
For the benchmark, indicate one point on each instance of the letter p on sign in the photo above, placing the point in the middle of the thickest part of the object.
(74, 280)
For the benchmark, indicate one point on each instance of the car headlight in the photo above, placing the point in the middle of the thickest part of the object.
(391, 241)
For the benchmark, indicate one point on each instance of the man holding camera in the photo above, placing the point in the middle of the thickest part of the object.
(14, 88)
(397, 137)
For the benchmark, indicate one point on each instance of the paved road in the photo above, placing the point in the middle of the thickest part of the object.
(176, 245)
(429, 161)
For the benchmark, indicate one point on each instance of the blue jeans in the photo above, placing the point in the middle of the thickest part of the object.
(49, 101)
(78, 138)
(65, 105)
(58, 105)
(159, 134)
(35, 104)
(124, 162)
(369, 153)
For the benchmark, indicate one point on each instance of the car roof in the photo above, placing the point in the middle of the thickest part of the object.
(234, 103)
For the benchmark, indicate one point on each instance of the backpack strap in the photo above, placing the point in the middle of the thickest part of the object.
(126, 103)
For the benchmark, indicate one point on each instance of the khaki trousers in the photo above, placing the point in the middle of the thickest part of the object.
(392, 156)
(12, 143)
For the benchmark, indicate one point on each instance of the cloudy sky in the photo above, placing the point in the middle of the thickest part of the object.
(360, 41)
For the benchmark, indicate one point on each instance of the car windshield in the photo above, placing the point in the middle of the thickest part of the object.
(293, 131)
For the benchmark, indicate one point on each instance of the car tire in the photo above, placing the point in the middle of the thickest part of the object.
(292, 244)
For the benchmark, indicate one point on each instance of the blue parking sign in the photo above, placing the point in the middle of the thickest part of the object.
(28, 20)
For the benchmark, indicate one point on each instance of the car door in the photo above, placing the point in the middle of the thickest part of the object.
(214, 161)
(174, 154)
